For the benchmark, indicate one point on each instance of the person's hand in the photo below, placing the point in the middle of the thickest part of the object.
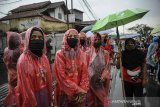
(80, 97)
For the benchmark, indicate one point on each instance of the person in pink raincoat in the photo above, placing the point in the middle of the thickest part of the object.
(99, 73)
(34, 86)
(11, 55)
(70, 72)
(83, 41)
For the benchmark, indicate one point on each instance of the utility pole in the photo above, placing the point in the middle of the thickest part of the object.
(72, 6)
(67, 15)
(72, 10)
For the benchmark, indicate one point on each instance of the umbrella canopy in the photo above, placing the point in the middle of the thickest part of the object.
(125, 36)
(106, 31)
(89, 33)
(87, 28)
(156, 30)
(156, 34)
(129, 36)
(119, 19)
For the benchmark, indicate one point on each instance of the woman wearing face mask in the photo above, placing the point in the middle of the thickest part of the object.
(133, 71)
(106, 45)
(34, 86)
(11, 55)
(99, 73)
(83, 41)
(70, 72)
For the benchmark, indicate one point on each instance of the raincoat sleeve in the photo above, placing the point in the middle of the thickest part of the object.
(24, 94)
(65, 83)
(49, 78)
(106, 72)
(84, 84)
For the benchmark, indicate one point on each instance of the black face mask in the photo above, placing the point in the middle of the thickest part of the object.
(97, 44)
(72, 42)
(36, 47)
(82, 41)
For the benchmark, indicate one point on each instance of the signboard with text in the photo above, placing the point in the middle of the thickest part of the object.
(29, 23)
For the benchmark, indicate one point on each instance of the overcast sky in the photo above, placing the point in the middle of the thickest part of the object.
(101, 8)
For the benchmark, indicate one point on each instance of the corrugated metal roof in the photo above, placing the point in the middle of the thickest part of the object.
(21, 15)
(31, 7)
(36, 9)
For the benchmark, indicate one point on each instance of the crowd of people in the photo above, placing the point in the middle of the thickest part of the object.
(81, 71)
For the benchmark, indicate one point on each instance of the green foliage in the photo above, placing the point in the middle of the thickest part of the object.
(142, 29)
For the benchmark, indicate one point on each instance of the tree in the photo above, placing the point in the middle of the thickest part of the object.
(142, 29)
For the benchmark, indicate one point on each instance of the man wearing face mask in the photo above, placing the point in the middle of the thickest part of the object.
(34, 86)
(134, 71)
(99, 73)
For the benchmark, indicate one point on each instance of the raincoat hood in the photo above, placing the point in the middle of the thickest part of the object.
(65, 45)
(155, 40)
(84, 35)
(27, 39)
(13, 40)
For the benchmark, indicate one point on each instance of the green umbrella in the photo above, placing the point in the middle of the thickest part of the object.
(118, 19)
(87, 28)
(156, 30)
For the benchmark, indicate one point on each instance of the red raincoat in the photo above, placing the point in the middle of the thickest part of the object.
(70, 72)
(84, 48)
(108, 47)
(98, 68)
(34, 87)
(11, 55)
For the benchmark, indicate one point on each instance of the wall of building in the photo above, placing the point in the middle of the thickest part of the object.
(21, 23)
(55, 13)
(54, 26)
(78, 15)
(24, 23)
(4, 26)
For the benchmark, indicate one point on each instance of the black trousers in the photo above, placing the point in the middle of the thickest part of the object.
(134, 90)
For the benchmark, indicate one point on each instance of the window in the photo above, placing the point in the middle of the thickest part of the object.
(59, 15)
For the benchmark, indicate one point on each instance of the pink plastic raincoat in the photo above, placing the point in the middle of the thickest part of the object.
(34, 87)
(98, 67)
(70, 72)
(11, 55)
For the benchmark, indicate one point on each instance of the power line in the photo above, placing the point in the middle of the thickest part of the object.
(3, 13)
(4, 0)
(91, 9)
(11, 2)
(84, 9)
(86, 4)
(88, 9)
